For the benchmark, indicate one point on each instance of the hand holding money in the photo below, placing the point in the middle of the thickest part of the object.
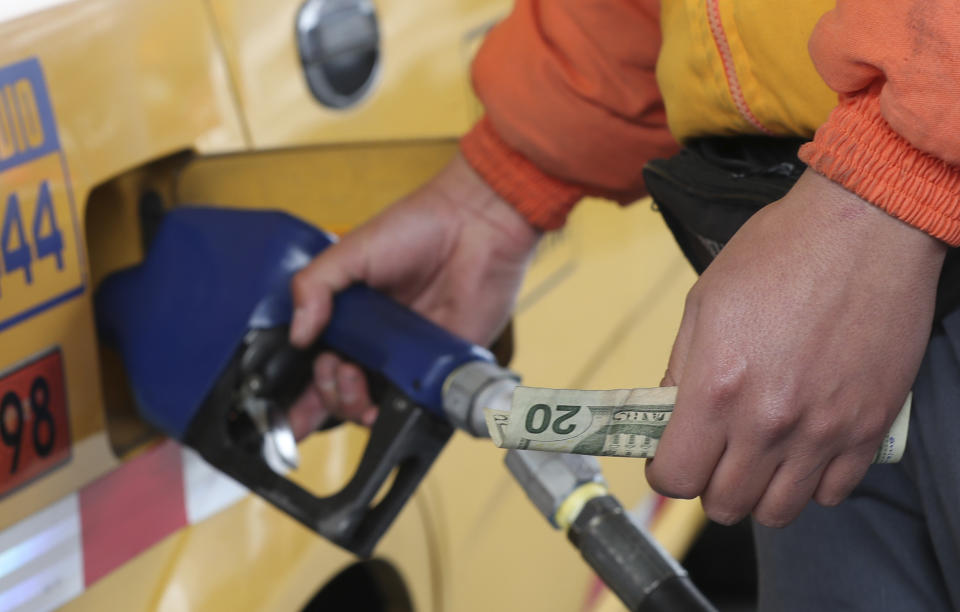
(617, 422)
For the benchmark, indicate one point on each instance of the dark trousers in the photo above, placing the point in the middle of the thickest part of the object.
(894, 545)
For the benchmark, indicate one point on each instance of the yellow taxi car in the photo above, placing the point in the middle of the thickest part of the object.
(112, 111)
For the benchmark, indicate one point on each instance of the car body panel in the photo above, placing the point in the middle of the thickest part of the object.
(422, 89)
(125, 86)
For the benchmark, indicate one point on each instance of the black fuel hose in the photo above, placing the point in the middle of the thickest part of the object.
(631, 563)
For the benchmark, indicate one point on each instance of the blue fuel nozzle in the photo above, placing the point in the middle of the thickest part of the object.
(201, 325)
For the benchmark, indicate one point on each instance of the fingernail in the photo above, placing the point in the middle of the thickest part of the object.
(300, 327)
(369, 417)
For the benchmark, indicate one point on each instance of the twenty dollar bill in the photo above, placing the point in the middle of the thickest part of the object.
(618, 422)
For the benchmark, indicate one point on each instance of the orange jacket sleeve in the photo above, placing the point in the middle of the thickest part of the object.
(894, 139)
(572, 105)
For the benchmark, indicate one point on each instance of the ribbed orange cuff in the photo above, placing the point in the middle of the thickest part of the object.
(858, 149)
(543, 200)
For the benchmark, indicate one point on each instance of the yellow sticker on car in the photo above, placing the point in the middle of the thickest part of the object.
(40, 262)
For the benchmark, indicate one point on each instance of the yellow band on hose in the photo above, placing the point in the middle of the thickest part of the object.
(571, 507)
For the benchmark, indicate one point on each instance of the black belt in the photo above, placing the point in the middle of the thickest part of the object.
(709, 189)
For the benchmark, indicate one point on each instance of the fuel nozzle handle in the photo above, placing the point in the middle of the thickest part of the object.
(569, 490)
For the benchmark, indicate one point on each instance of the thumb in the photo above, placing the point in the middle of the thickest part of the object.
(680, 350)
(675, 366)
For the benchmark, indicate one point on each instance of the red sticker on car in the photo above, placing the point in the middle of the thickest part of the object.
(34, 424)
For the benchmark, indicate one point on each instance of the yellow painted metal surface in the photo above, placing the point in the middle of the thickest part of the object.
(253, 557)
(204, 102)
(422, 90)
(336, 187)
(128, 82)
